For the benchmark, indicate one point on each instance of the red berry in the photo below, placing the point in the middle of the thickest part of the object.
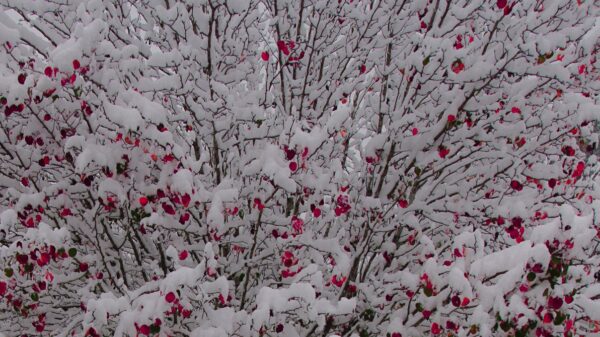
(515, 185)
(21, 78)
(293, 166)
(265, 56)
(145, 330)
(143, 201)
(3, 288)
(316, 212)
(443, 152)
(183, 255)
(76, 64)
(170, 298)
(555, 302)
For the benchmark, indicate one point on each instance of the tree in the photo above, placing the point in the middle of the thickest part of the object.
(299, 168)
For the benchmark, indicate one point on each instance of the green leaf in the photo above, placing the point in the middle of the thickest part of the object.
(428, 292)
(35, 297)
(368, 315)
(72, 252)
(426, 61)
(419, 307)
(8, 272)
(154, 328)
(541, 59)
(120, 168)
(531, 276)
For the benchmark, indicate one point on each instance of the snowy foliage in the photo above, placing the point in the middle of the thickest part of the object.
(299, 168)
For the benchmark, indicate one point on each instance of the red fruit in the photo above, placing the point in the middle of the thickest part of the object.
(515, 110)
(76, 64)
(170, 297)
(48, 71)
(415, 131)
(435, 329)
(145, 330)
(363, 68)
(515, 185)
(265, 56)
(25, 181)
(279, 328)
(451, 118)
(184, 218)
(426, 314)
(3, 288)
(338, 281)
(290, 154)
(168, 208)
(568, 151)
(65, 212)
(185, 200)
(143, 201)
(501, 3)
(403, 203)
(457, 66)
(183, 255)
(83, 267)
(22, 258)
(443, 152)
(568, 299)
(455, 301)
(552, 182)
(316, 212)
(293, 166)
(555, 302)
(578, 170)
(21, 78)
(548, 318)
(283, 47)
(465, 302)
